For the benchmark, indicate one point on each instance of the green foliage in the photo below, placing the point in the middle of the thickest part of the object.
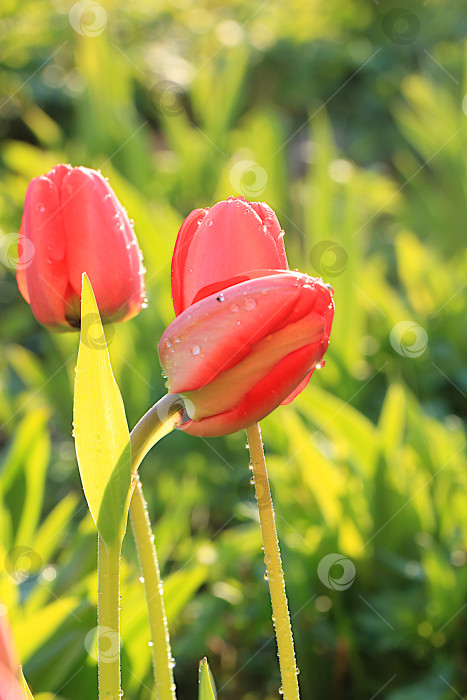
(354, 130)
(207, 688)
(100, 429)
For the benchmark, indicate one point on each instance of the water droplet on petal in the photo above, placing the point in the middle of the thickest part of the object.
(220, 297)
(250, 304)
(234, 307)
(167, 343)
(40, 207)
(195, 349)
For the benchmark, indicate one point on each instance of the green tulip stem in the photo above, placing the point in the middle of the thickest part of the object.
(162, 660)
(160, 420)
(108, 619)
(157, 422)
(274, 572)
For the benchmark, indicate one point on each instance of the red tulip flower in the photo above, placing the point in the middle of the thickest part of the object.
(236, 355)
(218, 244)
(74, 223)
(10, 688)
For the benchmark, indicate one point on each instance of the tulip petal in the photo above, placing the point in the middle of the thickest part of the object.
(228, 390)
(230, 239)
(298, 390)
(182, 246)
(100, 241)
(8, 653)
(273, 228)
(261, 399)
(10, 687)
(236, 355)
(21, 266)
(218, 332)
(46, 277)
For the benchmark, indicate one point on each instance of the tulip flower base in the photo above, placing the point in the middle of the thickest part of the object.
(247, 336)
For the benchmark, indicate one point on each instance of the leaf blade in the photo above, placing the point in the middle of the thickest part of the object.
(101, 432)
(207, 687)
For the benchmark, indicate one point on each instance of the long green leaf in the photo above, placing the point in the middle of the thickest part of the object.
(100, 427)
(207, 687)
(27, 695)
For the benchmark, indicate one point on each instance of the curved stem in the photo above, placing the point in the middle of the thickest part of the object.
(161, 652)
(274, 572)
(108, 623)
(160, 420)
(157, 422)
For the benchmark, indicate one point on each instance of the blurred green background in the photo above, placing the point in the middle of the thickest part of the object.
(350, 120)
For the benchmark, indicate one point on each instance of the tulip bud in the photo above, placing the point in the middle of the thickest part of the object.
(217, 244)
(10, 688)
(234, 356)
(74, 223)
